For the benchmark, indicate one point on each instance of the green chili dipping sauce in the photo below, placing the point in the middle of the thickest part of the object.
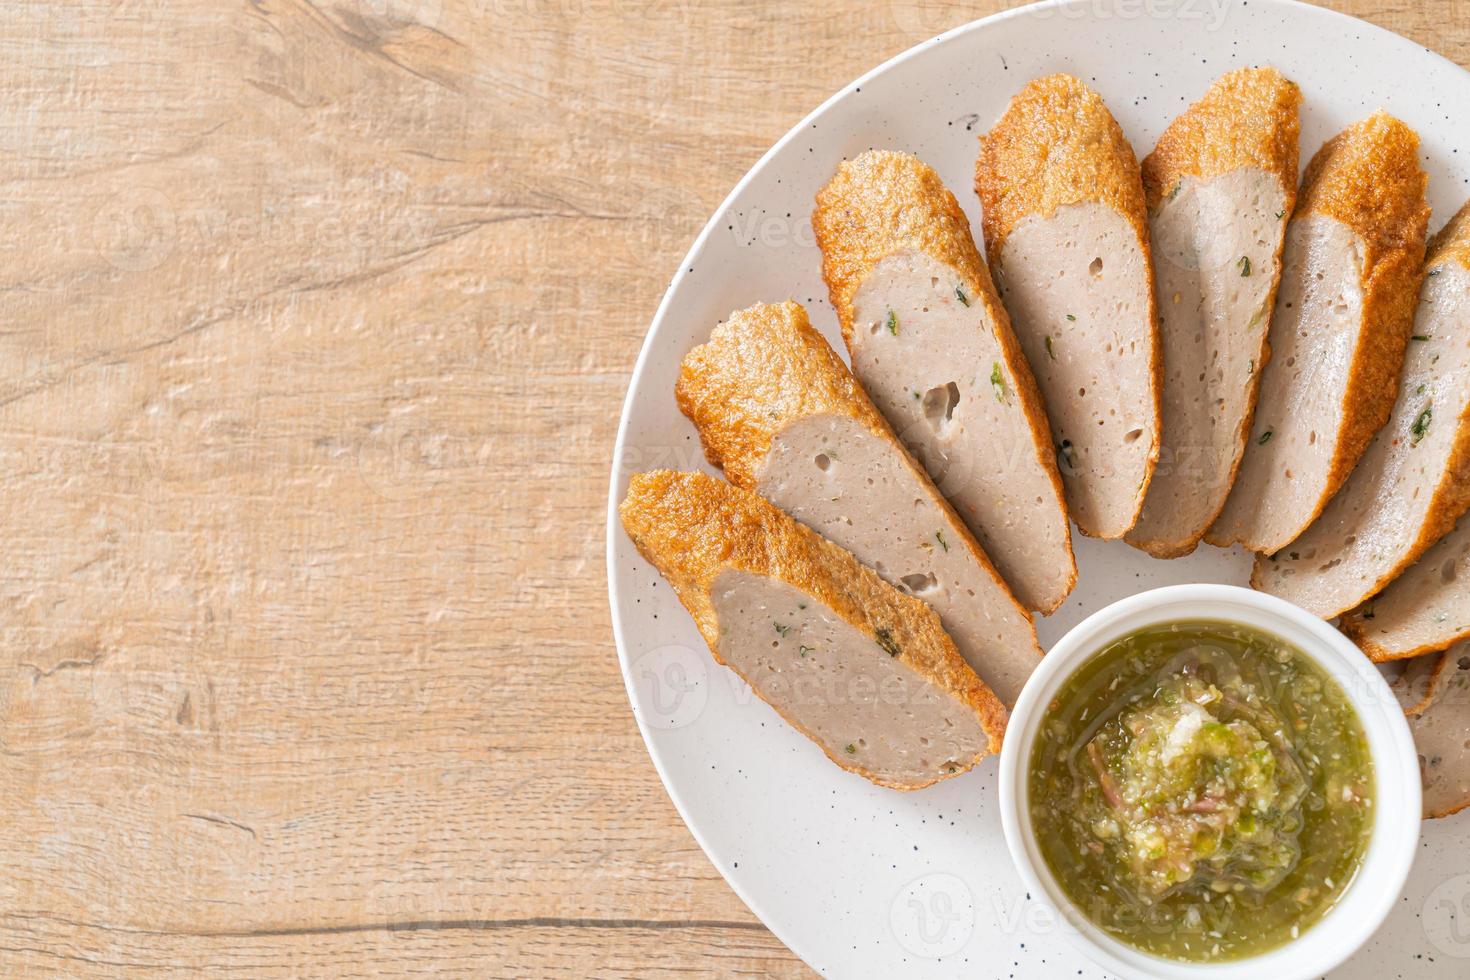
(1202, 791)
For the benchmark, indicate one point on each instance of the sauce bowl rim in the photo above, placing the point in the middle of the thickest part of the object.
(1367, 900)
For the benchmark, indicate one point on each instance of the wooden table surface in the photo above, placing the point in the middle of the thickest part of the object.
(317, 319)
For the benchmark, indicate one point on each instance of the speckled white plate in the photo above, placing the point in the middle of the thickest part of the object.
(866, 882)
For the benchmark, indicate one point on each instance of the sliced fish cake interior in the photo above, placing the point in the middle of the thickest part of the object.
(1414, 480)
(1423, 610)
(933, 347)
(779, 411)
(1442, 735)
(1415, 681)
(1344, 312)
(1220, 186)
(1065, 228)
(861, 669)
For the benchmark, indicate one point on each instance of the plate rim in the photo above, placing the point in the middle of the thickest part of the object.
(618, 476)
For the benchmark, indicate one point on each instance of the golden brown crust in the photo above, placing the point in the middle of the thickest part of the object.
(762, 369)
(884, 203)
(692, 527)
(1368, 177)
(1250, 117)
(1452, 495)
(1452, 243)
(1057, 144)
(1416, 689)
(1167, 549)
(1449, 499)
(1449, 811)
(767, 367)
(1446, 674)
(1354, 626)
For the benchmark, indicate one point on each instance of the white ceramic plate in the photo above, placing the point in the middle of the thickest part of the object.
(866, 882)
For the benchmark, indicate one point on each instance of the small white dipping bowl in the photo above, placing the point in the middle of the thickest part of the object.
(1363, 905)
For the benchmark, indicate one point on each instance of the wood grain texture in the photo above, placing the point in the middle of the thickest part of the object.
(316, 320)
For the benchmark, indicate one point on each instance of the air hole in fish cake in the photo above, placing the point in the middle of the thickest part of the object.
(919, 582)
(939, 405)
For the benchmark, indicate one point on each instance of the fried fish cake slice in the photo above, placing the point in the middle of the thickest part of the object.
(1066, 232)
(1349, 284)
(1220, 184)
(864, 671)
(933, 346)
(779, 411)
